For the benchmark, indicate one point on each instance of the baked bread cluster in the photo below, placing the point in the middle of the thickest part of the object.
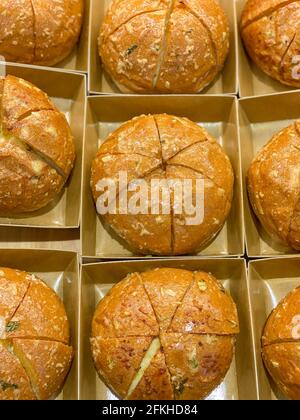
(281, 345)
(164, 46)
(35, 355)
(270, 32)
(37, 150)
(39, 32)
(165, 148)
(273, 186)
(164, 334)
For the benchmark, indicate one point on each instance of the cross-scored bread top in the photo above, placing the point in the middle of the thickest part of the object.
(271, 35)
(166, 148)
(281, 344)
(37, 150)
(186, 345)
(39, 32)
(35, 355)
(167, 46)
(273, 186)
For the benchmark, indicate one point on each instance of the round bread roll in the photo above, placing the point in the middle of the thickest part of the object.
(39, 32)
(281, 345)
(35, 355)
(37, 150)
(164, 334)
(274, 185)
(164, 148)
(165, 46)
(270, 33)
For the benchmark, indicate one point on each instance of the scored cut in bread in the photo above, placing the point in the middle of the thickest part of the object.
(166, 293)
(13, 285)
(166, 46)
(14, 382)
(273, 186)
(35, 355)
(165, 363)
(155, 383)
(174, 150)
(39, 32)
(47, 364)
(197, 363)
(270, 34)
(119, 359)
(40, 315)
(37, 150)
(128, 294)
(281, 345)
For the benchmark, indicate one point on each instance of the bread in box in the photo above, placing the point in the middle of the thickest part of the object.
(269, 29)
(164, 334)
(165, 147)
(281, 345)
(164, 46)
(39, 32)
(35, 351)
(273, 186)
(37, 150)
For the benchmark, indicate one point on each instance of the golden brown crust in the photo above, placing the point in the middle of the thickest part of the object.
(146, 233)
(57, 28)
(155, 383)
(208, 158)
(125, 306)
(13, 287)
(41, 315)
(172, 149)
(186, 70)
(131, 53)
(269, 32)
(118, 359)
(172, 361)
(17, 30)
(35, 356)
(39, 32)
(21, 98)
(37, 149)
(47, 364)
(255, 10)
(166, 288)
(206, 309)
(119, 13)
(109, 166)
(273, 186)
(26, 182)
(283, 364)
(197, 363)
(138, 136)
(14, 382)
(282, 322)
(144, 60)
(190, 238)
(55, 142)
(177, 134)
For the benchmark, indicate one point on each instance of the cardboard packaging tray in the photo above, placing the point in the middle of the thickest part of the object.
(218, 114)
(270, 281)
(77, 60)
(100, 82)
(68, 92)
(253, 81)
(261, 118)
(36, 238)
(60, 271)
(98, 278)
